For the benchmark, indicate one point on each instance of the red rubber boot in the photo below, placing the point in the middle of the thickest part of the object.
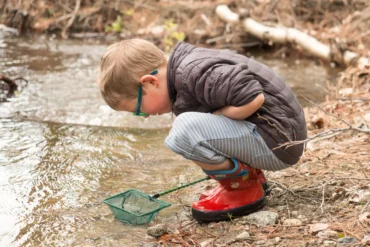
(240, 192)
(261, 178)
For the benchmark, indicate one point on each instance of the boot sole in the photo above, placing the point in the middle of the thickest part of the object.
(228, 214)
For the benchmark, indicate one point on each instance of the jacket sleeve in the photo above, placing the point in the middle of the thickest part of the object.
(223, 85)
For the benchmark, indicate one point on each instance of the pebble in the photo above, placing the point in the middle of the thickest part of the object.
(346, 240)
(366, 240)
(328, 234)
(365, 217)
(345, 91)
(243, 236)
(260, 242)
(277, 239)
(157, 230)
(262, 218)
(318, 227)
(367, 117)
(292, 222)
(206, 242)
(330, 243)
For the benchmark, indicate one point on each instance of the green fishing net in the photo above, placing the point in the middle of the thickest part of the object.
(135, 207)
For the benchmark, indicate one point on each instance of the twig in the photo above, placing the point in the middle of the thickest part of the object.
(326, 134)
(361, 99)
(71, 20)
(287, 205)
(208, 233)
(342, 120)
(323, 198)
(140, 4)
(367, 179)
(366, 205)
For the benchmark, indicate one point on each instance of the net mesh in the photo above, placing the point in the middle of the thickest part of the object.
(135, 207)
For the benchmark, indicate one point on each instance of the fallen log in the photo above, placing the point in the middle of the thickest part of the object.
(285, 35)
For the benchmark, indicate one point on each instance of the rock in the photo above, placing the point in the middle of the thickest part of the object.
(157, 30)
(7, 29)
(214, 225)
(260, 242)
(345, 91)
(346, 240)
(327, 234)
(329, 243)
(292, 222)
(318, 227)
(277, 190)
(294, 213)
(367, 117)
(206, 242)
(361, 197)
(364, 218)
(243, 236)
(262, 218)
(366, 240)
(277, 239)
(157, 230)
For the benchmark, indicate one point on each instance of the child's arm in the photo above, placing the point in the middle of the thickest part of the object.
(242, 112)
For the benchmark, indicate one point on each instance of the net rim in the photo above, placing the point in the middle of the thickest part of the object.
(162, 205)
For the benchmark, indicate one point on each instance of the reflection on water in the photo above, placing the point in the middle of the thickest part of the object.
(54, 177)
(56, 167)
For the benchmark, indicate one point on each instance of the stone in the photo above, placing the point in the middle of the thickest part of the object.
(345, 91)
(366, 240)
(318, 227)
(327, 234)
(364, 218)
(262, 218)
(367, 117)
(277, 239)
(292, 222)
(346, 240)
(243, 236)
(207, 242)
(260, 242)
(361, 197)
(295, 213)
(157, 230)
(157, 30)
(329, 243)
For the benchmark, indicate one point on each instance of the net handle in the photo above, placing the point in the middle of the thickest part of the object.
(180, 187)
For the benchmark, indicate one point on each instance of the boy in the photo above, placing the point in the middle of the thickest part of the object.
(233, 114)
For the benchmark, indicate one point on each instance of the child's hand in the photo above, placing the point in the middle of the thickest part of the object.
(242, 112)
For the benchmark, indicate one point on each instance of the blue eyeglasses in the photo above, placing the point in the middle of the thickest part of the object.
(140, 96)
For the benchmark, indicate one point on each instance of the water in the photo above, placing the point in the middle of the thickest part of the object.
(62, 151)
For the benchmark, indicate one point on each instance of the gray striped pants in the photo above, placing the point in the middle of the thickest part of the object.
(210, 139)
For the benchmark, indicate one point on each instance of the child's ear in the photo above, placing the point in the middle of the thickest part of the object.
(149, 79)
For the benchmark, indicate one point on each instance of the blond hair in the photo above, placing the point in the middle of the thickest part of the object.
(123, 65)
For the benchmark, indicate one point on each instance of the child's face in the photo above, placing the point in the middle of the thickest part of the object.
(155, 99)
